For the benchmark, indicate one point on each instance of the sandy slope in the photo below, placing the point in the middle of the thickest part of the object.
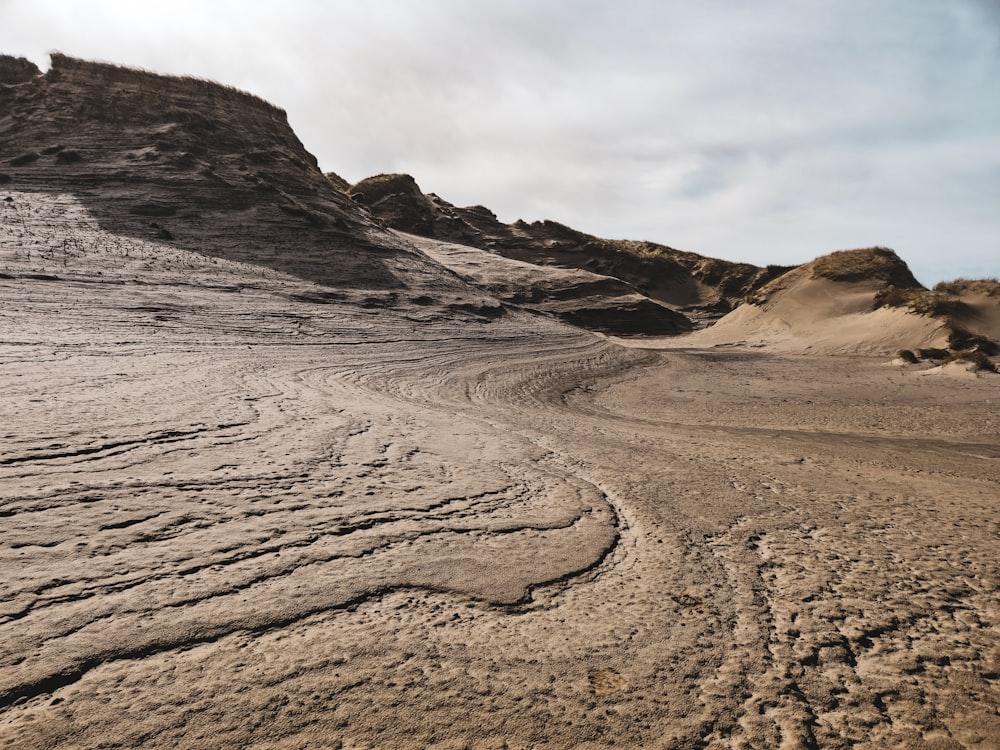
(704, 288)
(235, 517)
(822, 316)
(842, 304)
(590, 300)
(985, 315)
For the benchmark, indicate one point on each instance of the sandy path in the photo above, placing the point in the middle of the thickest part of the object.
(232, 518)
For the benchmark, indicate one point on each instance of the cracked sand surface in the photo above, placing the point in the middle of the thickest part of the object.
(232, 517)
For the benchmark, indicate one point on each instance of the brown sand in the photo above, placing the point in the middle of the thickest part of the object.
(232, 517)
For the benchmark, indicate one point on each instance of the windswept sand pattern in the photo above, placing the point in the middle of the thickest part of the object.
(235, 515)
(299, 494)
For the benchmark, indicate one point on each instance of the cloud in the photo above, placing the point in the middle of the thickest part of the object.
(772, 131)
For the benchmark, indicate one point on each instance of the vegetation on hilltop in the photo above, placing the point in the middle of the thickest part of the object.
(865, 264)
(986, 287)
(921, 301)
(16, 70)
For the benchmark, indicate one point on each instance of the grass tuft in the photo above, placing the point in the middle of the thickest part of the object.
(977, 358)
(865, 264)
(959, 287)
(921, 301)
(963, 340)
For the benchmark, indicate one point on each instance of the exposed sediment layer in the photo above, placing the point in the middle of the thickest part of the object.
(200, 167)
(704, 288)
(235, 514)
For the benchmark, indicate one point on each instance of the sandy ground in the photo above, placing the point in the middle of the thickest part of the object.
(232, 517)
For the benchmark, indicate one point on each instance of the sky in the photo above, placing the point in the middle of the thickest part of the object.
(769, 132)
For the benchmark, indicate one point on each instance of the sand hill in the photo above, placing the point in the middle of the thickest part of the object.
(582, 298)
(206, 169)
(701, 288)
(273, 476)
(863, 301)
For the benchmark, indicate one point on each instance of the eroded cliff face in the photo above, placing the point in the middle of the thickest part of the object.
(14, 70)
(205, 167)
(703, 288)
(511, 264)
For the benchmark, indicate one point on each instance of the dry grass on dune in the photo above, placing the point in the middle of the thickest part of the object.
(870, 263)
(989, 287)
(922, 301)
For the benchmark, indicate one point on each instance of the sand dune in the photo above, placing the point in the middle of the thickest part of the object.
(702, 288)
(826, 317)
(236, 516)
(589, 300)
(859, 311)
(325, 489)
